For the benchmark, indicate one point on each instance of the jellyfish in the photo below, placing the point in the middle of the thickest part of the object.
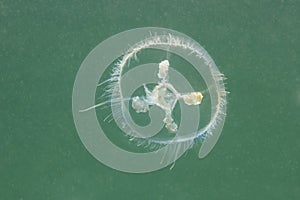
(161, 90)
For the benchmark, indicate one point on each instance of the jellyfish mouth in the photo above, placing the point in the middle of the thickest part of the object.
(164, 96)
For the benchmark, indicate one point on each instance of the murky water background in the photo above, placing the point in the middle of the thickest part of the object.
(255, 44)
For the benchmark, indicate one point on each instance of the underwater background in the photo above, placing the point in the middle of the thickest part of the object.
(256, 44)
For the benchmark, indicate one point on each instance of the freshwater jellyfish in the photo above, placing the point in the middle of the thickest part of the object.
(167, 93)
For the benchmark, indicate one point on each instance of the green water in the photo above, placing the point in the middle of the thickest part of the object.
(256, 45)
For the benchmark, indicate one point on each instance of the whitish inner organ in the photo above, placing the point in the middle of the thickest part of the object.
(165, 96)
